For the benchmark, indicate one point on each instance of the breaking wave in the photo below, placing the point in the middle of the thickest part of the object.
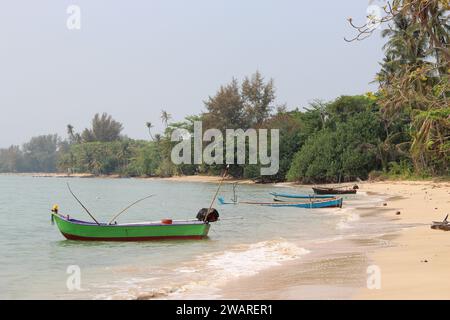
(202, 277)
(254, 258)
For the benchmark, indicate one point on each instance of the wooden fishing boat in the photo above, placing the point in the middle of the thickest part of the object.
(73, 229)
(300, 196)
(311, 204)
(333, 191)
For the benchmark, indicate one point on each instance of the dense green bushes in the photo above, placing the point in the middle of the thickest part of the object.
(345, 149)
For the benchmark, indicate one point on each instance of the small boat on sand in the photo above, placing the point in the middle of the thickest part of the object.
(300, 196)
(312, 204)
(333, 191)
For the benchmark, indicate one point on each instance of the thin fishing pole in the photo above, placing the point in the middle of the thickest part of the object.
(217, 192)
(134, 203)
(81, 204)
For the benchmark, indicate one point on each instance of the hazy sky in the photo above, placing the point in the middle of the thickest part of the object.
(134, 58)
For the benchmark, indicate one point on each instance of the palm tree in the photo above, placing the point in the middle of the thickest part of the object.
(70, 129)
(165, 117)
(411, 74)
(406, 47)
(70, 132)
(123, 155)
(150, 126)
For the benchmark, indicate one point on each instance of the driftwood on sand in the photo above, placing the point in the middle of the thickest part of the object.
(444, 225)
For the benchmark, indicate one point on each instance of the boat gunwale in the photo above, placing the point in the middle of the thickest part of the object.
(333, 203)
(334, 199)
(138, 224)
(332, 191)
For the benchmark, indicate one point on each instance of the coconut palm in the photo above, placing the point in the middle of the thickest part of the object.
(406, 47)
(150, 126)
(73, 136)
(414, 79)
(165, 117)
(70, 130)
(71, 133)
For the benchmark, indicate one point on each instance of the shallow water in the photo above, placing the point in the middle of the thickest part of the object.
(249, 239)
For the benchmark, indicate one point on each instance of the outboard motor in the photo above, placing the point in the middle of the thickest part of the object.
(213, 215)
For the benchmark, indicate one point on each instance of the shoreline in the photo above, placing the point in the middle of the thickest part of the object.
(212, 179)
(412, 258)
(334, 268)
(192, 178)
(416, 264)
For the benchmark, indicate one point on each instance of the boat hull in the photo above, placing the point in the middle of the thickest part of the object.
(84, 231)
(331, 202)
(327, 203)
(330, 191)
(334, 203)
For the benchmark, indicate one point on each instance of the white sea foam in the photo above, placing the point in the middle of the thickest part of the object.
(241, 261)
(253, 259)
(347, 220)
(189, 281)
(186, 270)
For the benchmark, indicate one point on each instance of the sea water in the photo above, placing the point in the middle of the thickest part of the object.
(38, 263)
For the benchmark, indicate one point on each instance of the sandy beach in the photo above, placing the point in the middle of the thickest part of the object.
(417, 264)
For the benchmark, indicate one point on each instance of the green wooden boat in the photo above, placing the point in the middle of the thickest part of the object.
(73, 229)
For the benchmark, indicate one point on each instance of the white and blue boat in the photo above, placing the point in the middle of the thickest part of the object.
(311, 204)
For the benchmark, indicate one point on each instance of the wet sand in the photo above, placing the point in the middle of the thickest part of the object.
(334, 269)
(317, 276)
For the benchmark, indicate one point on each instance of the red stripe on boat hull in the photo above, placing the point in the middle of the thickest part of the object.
(79, 238)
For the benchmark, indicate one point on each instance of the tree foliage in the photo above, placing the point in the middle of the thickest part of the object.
(104, 129)
(414, 79)
(40, 154)
(340, 151)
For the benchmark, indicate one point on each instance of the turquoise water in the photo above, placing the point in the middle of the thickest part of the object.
(35, 256)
